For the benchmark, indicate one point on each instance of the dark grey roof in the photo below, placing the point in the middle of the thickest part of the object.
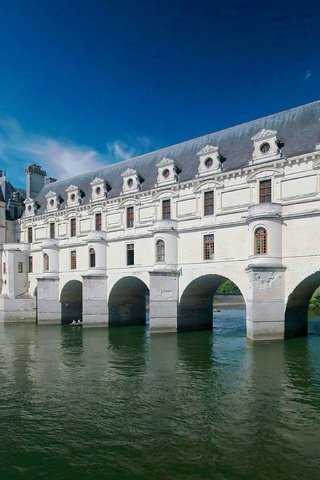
(298, 129)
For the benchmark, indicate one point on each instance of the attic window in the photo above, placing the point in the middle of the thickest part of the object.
(52, 202)
(72, 197)
(98, 191)
(265, 147)
(208, 162)
(166, 173)
(130, 182)
(29, 208)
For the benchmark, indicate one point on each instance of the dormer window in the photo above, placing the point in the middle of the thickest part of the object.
(31, 207)
(52, 201)
(266, 146)
(167, 171)
(210, 161)
(99, 189)
(131, 181)
(74, 196)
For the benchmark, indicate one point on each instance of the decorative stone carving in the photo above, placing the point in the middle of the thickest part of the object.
(266, 146)
(74, 196)
(31, 207)
(99, 189)
(209, 161)
(131, 181)
(167, 172)
(52, 201)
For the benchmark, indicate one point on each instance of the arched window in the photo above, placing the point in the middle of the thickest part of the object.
(92, 257)
(160, 251)
(45, 262)
(260, 241)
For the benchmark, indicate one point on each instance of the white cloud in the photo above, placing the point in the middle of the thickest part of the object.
(122, 150)
(307, 74)
(59, 159)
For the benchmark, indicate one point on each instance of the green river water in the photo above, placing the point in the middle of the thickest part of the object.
(120, 404)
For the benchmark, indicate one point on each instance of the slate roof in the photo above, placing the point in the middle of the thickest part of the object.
(298, 129)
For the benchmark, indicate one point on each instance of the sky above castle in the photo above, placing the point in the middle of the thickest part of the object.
(86, 83)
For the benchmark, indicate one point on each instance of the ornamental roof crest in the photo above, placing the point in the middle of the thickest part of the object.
(71, 188)
(165, 162)
(264, 134)
(96, 181)
(128, 172)
(51, 194)
(208, 149)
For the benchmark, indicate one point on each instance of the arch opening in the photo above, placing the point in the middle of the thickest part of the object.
(71, 302)
(128, 302)
(198, 302)
(302, 305)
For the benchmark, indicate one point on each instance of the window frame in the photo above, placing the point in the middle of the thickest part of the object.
(52, 229)
(208, 244)
(73, 227)
(129, 249)
(98, 223)
(46, 262)
(20, 267)
(30, 264)
(265, 191)
(166, 209)
(30, 234)
(130, 216)
(73, 259)
(92, 257)
(160, 251)
(260, 241)
(208, 203)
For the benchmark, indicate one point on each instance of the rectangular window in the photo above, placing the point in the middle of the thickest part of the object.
(73, 259)
(30, 264)
(130, 254)
(98, 221)
(29, 234)
(208, 203)
(265, 191)
(15, 212)
(20, 267)
(4, 268)
(208, 247)
(52, 230)
(73, 227)
(166, 209)
(130, 215)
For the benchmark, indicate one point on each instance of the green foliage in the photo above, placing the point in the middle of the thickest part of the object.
(314, 304)
(228, 288)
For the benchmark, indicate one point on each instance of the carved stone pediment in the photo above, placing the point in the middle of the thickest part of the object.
(264, 134)
(71, 188)
(208, 149)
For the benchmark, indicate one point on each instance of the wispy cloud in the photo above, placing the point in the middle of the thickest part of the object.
(307, 74)
(122, 150)
(59, 158)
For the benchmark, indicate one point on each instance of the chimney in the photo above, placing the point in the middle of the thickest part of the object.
(49, 180)
(35, 180)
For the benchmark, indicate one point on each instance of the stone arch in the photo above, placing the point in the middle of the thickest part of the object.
(195, 310)
(128, 302)
(71, 301)
(297, 306)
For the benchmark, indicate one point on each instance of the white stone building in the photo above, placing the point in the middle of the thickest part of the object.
(172, 225)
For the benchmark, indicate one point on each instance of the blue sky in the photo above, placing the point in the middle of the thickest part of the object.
(84, 83)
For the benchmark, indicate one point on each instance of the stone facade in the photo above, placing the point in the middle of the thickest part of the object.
(157, 235)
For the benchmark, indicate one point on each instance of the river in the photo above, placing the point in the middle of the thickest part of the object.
(120, 404)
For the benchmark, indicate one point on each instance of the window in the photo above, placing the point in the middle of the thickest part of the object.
(260, 241)
(30, 264)
(265, 191)
(20, 267)
(73, 227)
(73, 259)
(208, 203)
(52, 230)
(92, 257)
(15, 212)
(130, 254)
(208, 247)
(98, 221)
(160, 251)
(4, 268)
(166, 209)
(45, 262)
(29, 234)
(130, 214)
